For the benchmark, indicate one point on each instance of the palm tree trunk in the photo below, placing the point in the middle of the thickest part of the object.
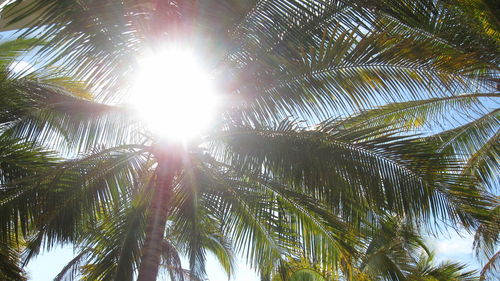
(157, 218)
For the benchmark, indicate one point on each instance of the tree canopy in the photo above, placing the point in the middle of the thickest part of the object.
(347, 128)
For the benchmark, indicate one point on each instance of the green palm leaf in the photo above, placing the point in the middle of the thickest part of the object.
(416, 114)
(352, 167)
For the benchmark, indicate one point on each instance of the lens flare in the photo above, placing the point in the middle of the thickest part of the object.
(173, 94)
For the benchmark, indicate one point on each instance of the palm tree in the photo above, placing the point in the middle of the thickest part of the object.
(273, 186)
(111, 250)
(445, 271)
(393, 250)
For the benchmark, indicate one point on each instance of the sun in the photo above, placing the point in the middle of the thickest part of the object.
(173, 93)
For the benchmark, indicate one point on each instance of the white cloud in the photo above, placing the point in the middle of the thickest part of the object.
(461, 246)
(453, 244)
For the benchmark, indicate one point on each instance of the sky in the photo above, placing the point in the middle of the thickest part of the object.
(47, 265)
(453, 246)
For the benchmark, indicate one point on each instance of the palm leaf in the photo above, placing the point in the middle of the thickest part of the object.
(10, 264)
(428, 113)
(352, 167)
(56, 203)
(47, 113)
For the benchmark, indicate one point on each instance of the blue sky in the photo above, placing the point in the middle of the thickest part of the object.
(46, 266)
(452, 246)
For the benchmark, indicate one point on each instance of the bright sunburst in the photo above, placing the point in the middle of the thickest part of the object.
(174, 94)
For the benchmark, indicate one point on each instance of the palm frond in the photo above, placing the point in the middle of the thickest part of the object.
(485, 243)
(476, 143)
(71, 270)
(45, 112)
(347, 73)
(466, 139)
(216, 194)
(20, 159)
(56, 203)
(491, 268)
(88, 37)
(12, 51)
(172, 261)
(483, 164)
(447, 270)
(112, 246)
(10, 262)
(446, 22)
(351, 168)
(430, 113)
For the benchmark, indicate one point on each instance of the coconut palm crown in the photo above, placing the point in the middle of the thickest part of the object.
(261, 181)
